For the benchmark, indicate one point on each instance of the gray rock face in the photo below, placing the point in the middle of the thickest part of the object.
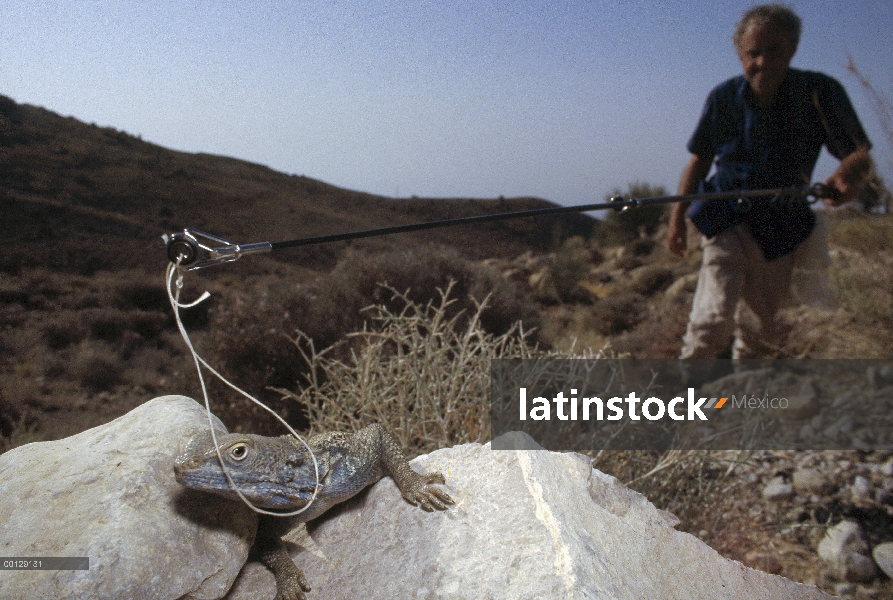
(526, 524)
(109, 494)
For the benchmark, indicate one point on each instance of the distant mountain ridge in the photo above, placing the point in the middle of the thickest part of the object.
(78, 197)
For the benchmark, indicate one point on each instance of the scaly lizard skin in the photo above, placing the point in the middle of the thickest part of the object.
(277, 474)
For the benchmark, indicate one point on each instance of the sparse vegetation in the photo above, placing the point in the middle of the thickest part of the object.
(569, 265)
(21, 432)
(424, 371)
(96, 365)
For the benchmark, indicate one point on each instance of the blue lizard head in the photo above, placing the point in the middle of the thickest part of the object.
(272, 472)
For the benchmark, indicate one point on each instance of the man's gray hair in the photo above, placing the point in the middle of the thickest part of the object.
(777, 15)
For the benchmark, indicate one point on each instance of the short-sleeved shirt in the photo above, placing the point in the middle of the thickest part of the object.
(776, 146)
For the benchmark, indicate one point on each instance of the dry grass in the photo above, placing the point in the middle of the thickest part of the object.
(423, 373)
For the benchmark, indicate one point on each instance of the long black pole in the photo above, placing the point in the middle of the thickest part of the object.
(618, 204)
(187, 249)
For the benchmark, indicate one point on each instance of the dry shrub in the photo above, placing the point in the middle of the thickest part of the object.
(423, 373)
(142, 295)
(569, 264)
(866, 234)
(683, 482)
(641, 246)
(96, 365)
(24, 431)
(860, 274)
(356, 282)
(653, 279)
(110, 324)
(867, 291)
(62, 333)
(616, 313)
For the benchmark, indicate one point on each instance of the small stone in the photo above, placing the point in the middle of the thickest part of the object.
(686, 283)
(883, 557)
(845, 589)
(861, 489)
(777, 489)
(887, 468)
(844, 538)
(845, 549)
(811, 481)
(858, 568)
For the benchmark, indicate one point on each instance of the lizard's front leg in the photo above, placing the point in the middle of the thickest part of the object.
(415, 488)
(290, 581)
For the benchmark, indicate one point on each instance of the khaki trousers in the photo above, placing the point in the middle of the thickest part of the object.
(738, 295)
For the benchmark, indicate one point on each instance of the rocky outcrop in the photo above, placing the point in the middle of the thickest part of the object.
(109, 494)
(527, 523)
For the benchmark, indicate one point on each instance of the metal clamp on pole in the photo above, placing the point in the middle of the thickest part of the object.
(187, 249)
(820, 190)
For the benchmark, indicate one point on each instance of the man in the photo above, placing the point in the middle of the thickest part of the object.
(763, 129)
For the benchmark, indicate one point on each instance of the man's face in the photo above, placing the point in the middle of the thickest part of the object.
(765, 54)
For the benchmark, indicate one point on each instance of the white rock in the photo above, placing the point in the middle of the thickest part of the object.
(883, 556)
(526, 524)
(778, 489)
(845, 549)
(109, 494)
(861, 488)
(842, 539)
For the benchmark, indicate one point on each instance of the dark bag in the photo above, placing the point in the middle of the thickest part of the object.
(712, 217)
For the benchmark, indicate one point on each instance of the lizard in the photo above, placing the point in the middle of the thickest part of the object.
(277, 473)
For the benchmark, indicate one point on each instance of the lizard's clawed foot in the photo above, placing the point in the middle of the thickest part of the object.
(290, 581)
(424, 495)
(292, 588)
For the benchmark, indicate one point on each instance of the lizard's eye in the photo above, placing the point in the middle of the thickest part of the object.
(238, 452)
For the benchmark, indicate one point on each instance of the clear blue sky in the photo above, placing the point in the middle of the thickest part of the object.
(561, 100)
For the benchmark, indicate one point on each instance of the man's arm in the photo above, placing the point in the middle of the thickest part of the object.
(853, 168)
(696, 170)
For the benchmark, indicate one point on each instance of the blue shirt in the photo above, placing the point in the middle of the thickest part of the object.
(776, 146)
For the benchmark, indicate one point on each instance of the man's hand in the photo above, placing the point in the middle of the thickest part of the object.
(677, 235)
(696, 170)
(848, 176)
